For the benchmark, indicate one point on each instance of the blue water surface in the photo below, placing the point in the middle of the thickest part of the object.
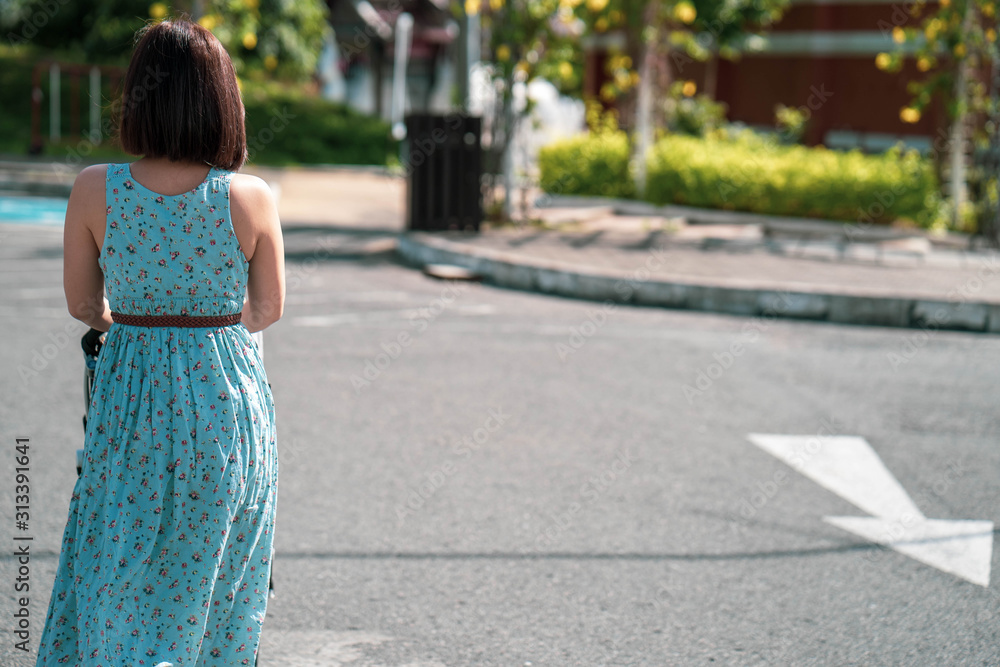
(47, 211)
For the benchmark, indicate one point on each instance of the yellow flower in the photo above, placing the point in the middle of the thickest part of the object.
(601, 24)
(596, 5)
(209, 21)
(158, 10)
(945, 3)
(471, 7)
(565, 70)
(503, 53)
(923, 63)
(689, 88)
(270, 62)
(960, 50)
(250, 41)
(898, 35)
(933, 28)
(909, 115)
(496, 5)
(991, 35)
(882, 61)
(988, 9)
(685, 12)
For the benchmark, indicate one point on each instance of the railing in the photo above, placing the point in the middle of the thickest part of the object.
(76, 72)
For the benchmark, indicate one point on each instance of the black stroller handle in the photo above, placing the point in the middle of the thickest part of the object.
(91, 342)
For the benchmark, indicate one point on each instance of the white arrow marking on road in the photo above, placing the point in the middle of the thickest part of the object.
(849, 467)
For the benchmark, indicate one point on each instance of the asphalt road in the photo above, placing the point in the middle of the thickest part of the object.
(472, 476)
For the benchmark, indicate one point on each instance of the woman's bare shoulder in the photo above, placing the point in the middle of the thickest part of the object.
(249, 188)
(250, 199)
(87, 198)
(91, 178)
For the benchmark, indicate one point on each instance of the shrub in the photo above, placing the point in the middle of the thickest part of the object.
(316, 131)
(589, 164)
(287, 127)
(690, 114)
(751, 173)
(748, 172)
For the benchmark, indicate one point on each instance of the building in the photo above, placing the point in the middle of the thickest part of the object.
(821, 57)
(359, 70)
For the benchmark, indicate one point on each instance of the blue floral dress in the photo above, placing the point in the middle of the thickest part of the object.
(167, 550)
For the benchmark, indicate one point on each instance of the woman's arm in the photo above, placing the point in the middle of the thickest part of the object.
(255, 220)
(83, 280)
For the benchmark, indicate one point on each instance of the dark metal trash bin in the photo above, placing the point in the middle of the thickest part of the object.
(443, 164)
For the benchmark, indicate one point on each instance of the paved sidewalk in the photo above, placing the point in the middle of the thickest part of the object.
(630, 252)
(903, 282)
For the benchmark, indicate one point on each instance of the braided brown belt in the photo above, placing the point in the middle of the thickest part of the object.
(176, 320)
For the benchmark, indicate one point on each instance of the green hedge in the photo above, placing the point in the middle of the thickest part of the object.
(289, 128)
(750, 173)
(284, 124)
(588, 164)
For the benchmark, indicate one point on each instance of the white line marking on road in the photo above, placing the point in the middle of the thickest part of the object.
(846, 465)
(961, 548)
(849, 467)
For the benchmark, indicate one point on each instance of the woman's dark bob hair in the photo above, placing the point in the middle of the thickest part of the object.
(180, 99)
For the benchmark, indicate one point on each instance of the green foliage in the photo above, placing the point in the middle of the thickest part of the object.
(694, 115)
(526, 39)
(595, 163)
(953, 36)
(102, 31)
(750, 173)
(791, 122)
(15, 112)
(286, 127)
(723, 25)
(283, 37)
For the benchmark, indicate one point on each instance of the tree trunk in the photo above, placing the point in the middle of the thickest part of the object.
(956, 144)
(712, 75)
(643, 137)
(507, 162)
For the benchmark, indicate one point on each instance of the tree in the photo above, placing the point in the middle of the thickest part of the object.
(525, 39)
(956, 46)
(661, 38)
(721, 28)
(102, 31)
(284, 37)
(281, 36)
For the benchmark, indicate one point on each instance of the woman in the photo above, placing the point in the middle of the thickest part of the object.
(167, 550)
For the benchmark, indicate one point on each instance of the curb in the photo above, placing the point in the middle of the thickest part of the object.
(734, 297)
(772, 225)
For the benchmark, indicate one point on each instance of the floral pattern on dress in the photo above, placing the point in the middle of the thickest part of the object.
(167, 551)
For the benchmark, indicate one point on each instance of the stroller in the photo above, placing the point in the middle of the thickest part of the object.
(92, 342)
